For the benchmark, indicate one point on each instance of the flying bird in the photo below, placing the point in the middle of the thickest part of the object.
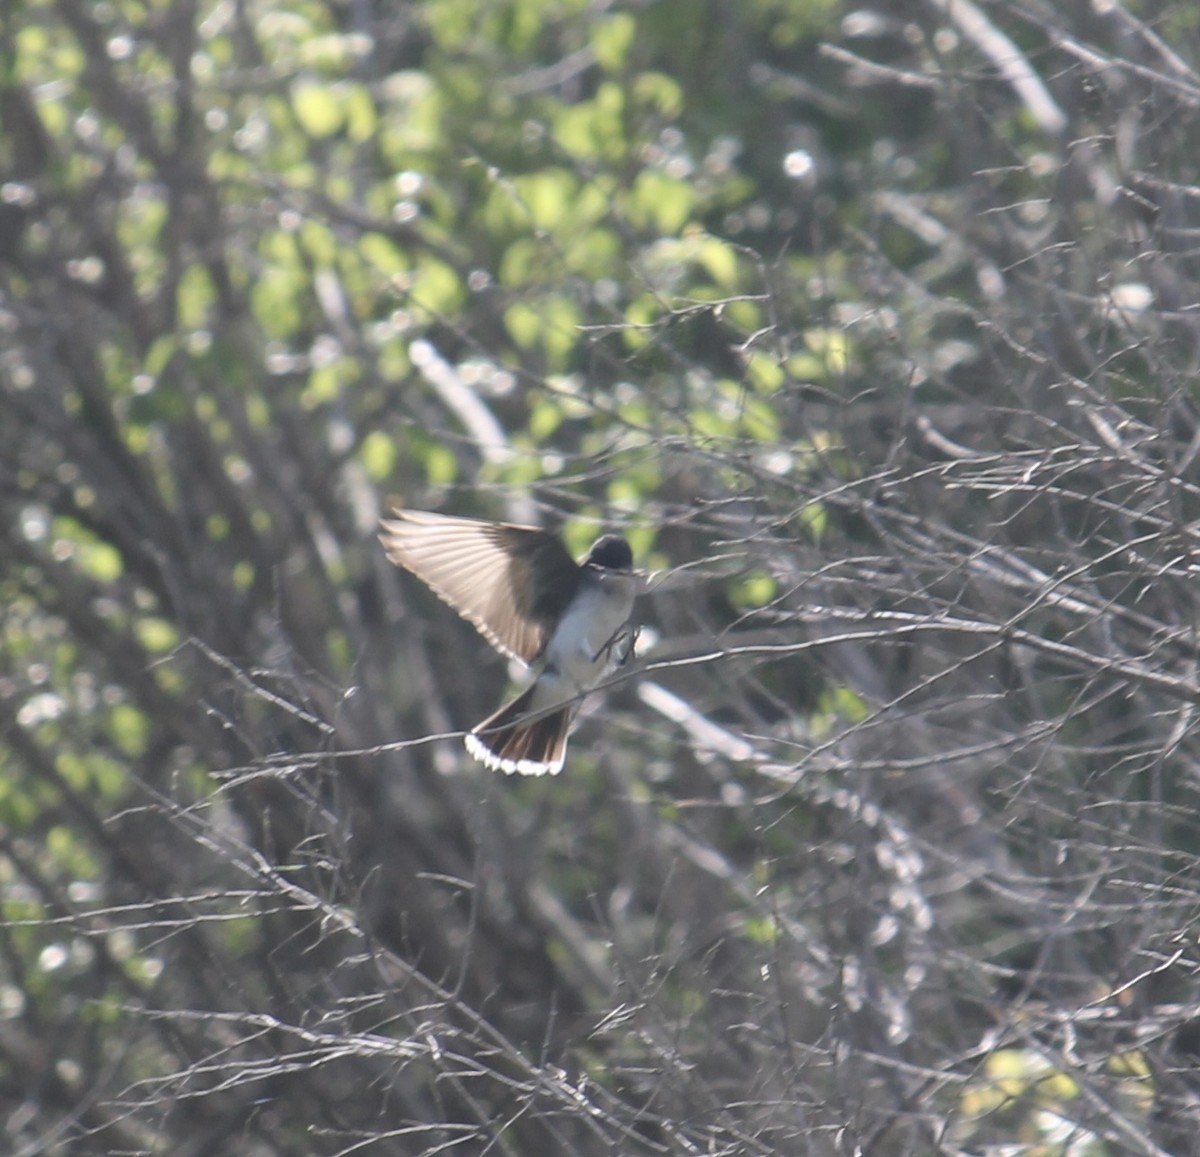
(532, 601)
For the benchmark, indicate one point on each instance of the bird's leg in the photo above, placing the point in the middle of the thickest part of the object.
(620, 645)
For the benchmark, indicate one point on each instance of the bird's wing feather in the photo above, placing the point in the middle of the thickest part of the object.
(511, 582)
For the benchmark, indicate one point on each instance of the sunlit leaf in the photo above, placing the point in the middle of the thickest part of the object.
(441, 466)
(753, 591)
(612, 38)
(544, 419)
(317, 108)
(547, 196)
(130, 729)
(378, 454)
(660, 200)
(100, 560)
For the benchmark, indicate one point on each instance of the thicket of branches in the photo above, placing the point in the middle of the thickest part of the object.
(874, 330)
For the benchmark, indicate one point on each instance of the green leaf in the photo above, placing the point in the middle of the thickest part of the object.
(195, 298)
(159, 354)
(594, 129)
(520, 263)
(523, 324)
(378, 455)
(657, 91)
(814, 517)
(437, 290)
(100, 560)
(545, 418)
(551, 324)
(754, 591)
(765, 373)
(761, 929)
(243, 574)
(720, 260)
(660, 202)
(130, 729)
(384, 254)
(832, 346)
(334, 52)
(547, 196)
(316, 109)
(612, 38)
(441, 467)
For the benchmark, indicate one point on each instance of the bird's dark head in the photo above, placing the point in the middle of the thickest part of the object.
(611, 552)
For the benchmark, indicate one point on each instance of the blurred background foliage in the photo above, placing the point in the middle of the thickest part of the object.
(873, 328)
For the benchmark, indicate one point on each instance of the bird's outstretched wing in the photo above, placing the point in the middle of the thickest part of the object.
(511, 582)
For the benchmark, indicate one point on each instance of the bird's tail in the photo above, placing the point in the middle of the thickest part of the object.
(517, 739)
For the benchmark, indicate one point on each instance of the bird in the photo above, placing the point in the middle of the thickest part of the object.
(522, 590)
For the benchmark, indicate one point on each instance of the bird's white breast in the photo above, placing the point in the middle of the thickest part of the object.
(579, 650)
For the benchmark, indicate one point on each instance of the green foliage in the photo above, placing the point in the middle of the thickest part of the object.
(891, 377)
(753, 591)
